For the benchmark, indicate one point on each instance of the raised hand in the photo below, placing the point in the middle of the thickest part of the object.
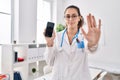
(94, 31)
(50, 40)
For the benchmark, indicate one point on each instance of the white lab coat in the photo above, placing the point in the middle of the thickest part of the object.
(68, 61)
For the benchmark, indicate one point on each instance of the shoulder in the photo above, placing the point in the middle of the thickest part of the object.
(58, 38)
(60, 33)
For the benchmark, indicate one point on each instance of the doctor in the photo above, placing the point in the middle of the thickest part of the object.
(66, 50)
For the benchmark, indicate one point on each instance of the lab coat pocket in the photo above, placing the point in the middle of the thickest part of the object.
(79, 54)
(80, 50)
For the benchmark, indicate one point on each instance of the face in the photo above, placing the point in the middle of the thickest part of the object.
(71, 18)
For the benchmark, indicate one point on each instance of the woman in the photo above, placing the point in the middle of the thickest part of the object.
(66, 50)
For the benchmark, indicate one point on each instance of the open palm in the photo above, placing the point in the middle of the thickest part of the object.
(93, 34)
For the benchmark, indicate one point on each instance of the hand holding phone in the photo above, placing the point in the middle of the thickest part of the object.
(49, 29)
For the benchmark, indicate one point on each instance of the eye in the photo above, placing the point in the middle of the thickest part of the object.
(74, 16)
(67, 16)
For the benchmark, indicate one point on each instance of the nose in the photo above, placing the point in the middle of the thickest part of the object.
(70, 18)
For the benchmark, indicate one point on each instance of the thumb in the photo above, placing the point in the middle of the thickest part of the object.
(53, 34)
(83, 32)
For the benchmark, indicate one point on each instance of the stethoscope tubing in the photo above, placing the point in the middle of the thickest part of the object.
(80, 44)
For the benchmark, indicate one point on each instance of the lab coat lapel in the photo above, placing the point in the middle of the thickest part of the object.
(66, 39)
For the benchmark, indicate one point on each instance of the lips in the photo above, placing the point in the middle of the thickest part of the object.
(70, 23)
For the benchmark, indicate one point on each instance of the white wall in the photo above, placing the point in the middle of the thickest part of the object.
(5, 17)
(25, 19)
(58, 15)
(109, 12)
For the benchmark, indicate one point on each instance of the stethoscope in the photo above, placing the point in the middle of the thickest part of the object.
(80, 44)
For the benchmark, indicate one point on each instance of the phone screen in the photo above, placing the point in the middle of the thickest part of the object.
(49, 29)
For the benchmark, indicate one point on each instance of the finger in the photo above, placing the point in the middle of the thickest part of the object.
(89, 21)
(44, 32)
(53, 34)
(94, 30)
(83, 32)
(94, 21)
(99, 25)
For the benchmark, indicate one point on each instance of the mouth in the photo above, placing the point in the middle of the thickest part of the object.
(71, 23)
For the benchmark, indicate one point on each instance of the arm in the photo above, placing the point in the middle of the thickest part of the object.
(50, 55)
(50, 50)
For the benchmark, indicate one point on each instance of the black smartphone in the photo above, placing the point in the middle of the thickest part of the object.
(49, 29)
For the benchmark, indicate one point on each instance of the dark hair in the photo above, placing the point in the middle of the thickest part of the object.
(81, 22)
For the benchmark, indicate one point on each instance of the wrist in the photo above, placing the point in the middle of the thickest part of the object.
(92, 47)
(49, 44)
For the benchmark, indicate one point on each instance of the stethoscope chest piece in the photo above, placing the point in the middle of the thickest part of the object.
(80, 44)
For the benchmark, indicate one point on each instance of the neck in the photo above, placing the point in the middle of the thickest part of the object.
(72, 31)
